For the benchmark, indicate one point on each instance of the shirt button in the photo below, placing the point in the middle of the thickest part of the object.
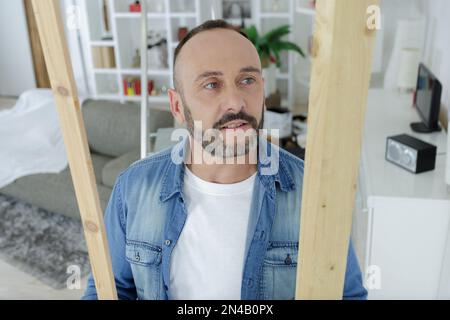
(250, 283)
(168, 243)
(288, 260)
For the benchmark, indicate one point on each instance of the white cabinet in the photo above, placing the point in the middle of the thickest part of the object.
(401, 220)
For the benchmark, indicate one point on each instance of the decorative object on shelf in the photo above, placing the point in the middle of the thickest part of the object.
(106, 16)
(132, 86)
(105, 24)
(274, 100)
(137, 59)
(135, 7)
(163, 54)
(236, 9)
(150, 86)
(182, 32)
(279, 118)
(103, 57)
(157, 51)
(269, 47)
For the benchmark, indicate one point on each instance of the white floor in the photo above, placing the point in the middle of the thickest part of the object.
(18, 285)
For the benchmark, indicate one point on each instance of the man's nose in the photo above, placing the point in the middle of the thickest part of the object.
(233, 101)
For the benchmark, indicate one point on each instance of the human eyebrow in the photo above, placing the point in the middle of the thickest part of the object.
(250, 69)
(207, 74)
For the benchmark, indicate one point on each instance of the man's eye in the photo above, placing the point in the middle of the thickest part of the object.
(211, 85)
(248, 80)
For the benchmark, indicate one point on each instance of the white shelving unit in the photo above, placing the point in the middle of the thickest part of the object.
(164, 16)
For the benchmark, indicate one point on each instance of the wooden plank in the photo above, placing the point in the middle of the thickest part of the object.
(40, 68)
(342, 56)
(47, 13)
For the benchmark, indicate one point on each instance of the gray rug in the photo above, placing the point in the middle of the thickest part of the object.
(41, 243)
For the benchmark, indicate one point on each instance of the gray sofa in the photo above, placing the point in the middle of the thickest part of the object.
(113, 132)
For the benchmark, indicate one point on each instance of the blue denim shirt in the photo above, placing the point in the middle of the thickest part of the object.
(146, 214)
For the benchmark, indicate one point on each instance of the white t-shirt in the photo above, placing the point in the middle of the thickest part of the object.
(208, 259)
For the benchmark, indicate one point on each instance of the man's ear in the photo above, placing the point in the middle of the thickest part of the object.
(176, 106)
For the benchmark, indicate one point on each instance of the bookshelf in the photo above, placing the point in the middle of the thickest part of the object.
(165, 17)
(119, 37)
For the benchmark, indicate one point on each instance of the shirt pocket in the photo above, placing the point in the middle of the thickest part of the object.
(145, 261)
(279, 271)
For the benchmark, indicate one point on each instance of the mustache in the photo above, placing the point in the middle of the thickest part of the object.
(241, 115)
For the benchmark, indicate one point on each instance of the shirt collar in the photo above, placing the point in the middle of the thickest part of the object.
(271, 168)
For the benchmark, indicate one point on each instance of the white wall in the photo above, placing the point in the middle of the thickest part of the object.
(437, 51)
(437, 44)
(71, 14)
(16, 65)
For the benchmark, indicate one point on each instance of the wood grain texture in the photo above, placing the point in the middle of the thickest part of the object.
(40, 68)
(342, 59)
(47, 13)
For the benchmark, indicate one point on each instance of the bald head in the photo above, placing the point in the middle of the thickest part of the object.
(210, 47)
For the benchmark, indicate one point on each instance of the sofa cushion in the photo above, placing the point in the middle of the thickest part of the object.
(114, 167)
(55, 192)
(112, 128)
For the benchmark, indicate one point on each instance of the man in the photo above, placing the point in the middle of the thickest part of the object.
(202, 220)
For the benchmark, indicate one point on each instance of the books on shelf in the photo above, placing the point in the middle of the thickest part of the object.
(132, 86)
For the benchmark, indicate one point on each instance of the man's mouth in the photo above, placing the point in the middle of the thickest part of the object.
(234, 125)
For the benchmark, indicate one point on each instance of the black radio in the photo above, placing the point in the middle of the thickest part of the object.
(410, 153)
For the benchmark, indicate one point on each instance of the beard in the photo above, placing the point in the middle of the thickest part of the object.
(213, 142)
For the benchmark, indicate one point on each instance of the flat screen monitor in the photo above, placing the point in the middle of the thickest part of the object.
(427, 101)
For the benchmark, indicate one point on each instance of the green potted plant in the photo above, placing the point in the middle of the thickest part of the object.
(269, 47)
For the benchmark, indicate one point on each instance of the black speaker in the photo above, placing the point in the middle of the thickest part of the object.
(410, 153)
